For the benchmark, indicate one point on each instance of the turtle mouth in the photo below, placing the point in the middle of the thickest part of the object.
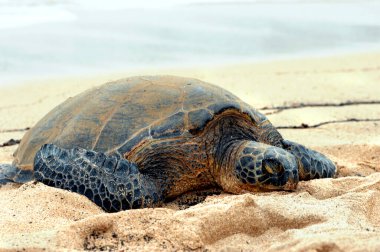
(291, 185)
(279, 183)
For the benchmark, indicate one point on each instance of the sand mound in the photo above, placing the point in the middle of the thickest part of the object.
(322, 215)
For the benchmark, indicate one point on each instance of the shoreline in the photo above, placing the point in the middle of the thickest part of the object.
(13, 81)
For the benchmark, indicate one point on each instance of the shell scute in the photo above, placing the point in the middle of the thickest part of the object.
(198, 119)
(169, 127)
(219, 107)
(134, 141)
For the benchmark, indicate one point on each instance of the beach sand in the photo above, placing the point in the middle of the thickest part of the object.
(340, 214)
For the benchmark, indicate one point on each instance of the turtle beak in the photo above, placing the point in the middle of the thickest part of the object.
(292, 179)
(291, 184)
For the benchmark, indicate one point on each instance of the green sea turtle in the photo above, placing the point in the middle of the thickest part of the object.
(139, 141)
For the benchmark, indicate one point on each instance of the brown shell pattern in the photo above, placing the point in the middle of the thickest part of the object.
(117, 116)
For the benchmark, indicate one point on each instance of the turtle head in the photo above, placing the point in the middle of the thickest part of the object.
(257, 166)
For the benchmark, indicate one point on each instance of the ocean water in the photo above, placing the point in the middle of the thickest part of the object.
(45, 38)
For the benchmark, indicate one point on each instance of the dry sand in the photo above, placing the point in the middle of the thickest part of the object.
(340, 214)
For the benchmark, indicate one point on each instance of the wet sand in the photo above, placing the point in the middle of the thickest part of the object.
(340, 214)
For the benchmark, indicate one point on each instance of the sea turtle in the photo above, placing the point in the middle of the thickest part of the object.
(139, 141)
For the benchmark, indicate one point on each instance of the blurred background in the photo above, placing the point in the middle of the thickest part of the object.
(51, 38)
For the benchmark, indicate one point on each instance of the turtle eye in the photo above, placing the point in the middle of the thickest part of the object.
(273, 166)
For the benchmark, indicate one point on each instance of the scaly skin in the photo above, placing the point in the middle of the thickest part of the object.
(254, 166)
(112, 183)
(116, 184)
(266, 166)
(312, 164)
(10, 173)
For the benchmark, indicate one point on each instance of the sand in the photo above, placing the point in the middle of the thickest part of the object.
(340, 214)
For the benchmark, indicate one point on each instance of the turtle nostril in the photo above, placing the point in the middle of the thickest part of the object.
(273, 166)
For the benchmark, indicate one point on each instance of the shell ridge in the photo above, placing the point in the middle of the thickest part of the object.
(105, 123)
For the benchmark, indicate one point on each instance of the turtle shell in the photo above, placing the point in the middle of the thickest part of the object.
(117, 116)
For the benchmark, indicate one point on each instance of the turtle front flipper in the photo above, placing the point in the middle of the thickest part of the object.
(111, 182)
(312, 164)
(12, 174)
